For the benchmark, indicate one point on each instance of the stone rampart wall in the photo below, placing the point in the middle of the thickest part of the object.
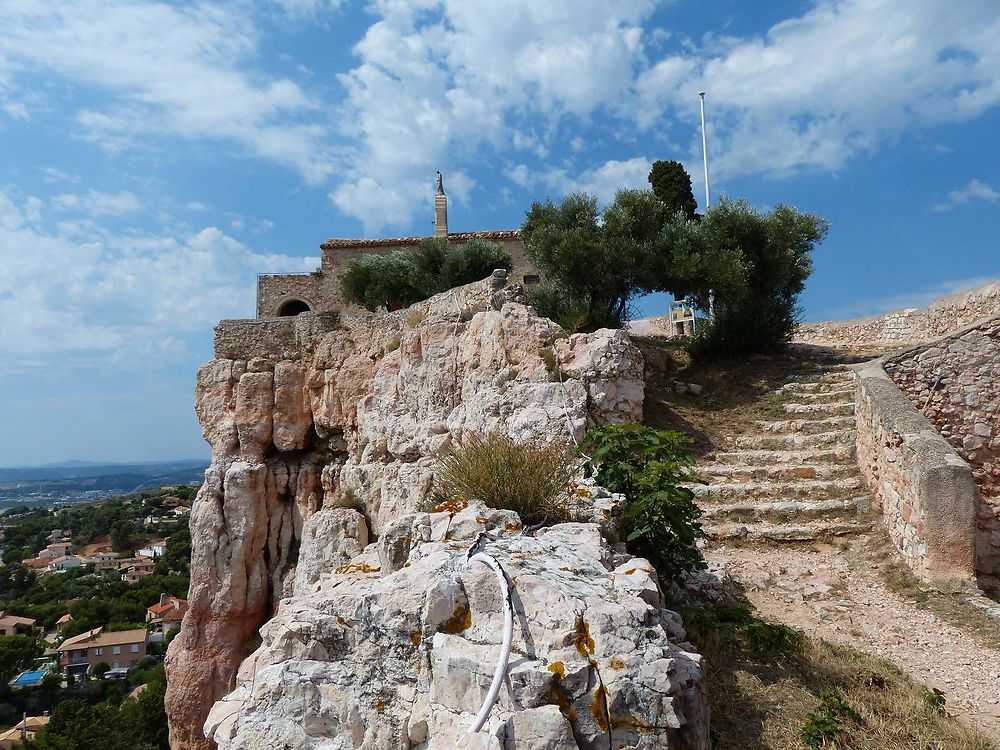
(274, 290)
(272, 338)
(955, 381)
(924, 488)
(908, 326)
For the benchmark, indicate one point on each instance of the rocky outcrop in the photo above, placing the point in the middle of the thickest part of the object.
(395, 649)
(321, 412)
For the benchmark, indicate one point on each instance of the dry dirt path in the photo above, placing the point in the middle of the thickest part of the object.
(837, 594)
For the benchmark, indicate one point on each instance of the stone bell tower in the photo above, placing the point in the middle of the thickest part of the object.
(440, 209)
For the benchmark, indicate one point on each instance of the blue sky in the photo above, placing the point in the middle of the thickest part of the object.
(155, 156)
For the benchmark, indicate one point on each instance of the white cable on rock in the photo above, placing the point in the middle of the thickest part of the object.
(508, 632)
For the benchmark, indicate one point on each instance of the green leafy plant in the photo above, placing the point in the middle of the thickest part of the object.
(821, 729)
(441, 266)
(767, 258)
(381, 280)
(936, 700)
(400, 279)
(768, 639)
(650, 467)
(672, 185)
(825, 727)
(528, 478)
(593, 261)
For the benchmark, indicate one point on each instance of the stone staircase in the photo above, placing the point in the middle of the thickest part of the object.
(794, 480)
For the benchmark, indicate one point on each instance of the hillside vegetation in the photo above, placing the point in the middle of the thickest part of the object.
(774, 688)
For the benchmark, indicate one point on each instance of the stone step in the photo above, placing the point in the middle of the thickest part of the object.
(796, 480)
(815, 489)
(790, 441)
(806, 532)
(835, 374)
(838, 395)
(773, 472)
(834, 361)
(783, 511)
(841, 453)
(845, 364)
(808, 426)
(815, 386)
(826, 410)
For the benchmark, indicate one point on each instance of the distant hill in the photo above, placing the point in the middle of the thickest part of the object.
(76, 476)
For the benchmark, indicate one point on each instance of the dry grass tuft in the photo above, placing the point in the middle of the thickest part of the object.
(531, 479)
(773, 688)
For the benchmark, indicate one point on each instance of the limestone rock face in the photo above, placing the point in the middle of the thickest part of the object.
(611, 369)
(321, 415)
(397, 650)
(330, 538)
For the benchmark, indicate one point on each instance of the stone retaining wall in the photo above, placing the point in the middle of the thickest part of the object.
(955, 381)
(273, 338)
(909, 326)
(925, 490)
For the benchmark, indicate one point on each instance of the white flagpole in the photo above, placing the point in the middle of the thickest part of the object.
(704, 149)
(708, 193)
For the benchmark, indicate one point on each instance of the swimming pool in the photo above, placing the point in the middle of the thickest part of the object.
(28, 679)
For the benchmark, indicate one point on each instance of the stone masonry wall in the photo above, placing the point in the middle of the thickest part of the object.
(908, 326)
(955, 381)
(274, 290)
(925, 490)
(321, 289)
(274, 338)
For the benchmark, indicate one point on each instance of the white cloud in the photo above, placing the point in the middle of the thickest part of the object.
(439, 79)
(449, 84)
(108, 297)
(602, 181)
(97, 203)
(605, 180)
(305, 9)
(975, 190)
(240, 223)
(520, 175)
(54, 174)
(178, 70)
(15, 110)
(819, 89)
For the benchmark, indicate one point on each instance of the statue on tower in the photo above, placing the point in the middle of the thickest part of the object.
(440, 183)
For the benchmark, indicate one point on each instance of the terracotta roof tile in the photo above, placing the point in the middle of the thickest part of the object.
(6, 619)
(97, 637)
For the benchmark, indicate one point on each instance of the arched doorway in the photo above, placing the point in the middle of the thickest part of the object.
(293, 307)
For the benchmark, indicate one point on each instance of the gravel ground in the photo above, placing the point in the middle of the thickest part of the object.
(827, 595)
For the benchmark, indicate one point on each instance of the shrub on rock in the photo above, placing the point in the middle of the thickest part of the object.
(531, 479)
(401, 279)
